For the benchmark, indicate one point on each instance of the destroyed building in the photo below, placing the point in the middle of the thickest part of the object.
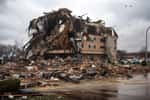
(60, 33)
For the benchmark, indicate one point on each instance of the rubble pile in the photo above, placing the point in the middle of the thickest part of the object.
(54, 72)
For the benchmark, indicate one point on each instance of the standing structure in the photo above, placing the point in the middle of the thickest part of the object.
(60, 33)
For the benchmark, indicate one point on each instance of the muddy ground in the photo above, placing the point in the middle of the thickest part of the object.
(137, 88)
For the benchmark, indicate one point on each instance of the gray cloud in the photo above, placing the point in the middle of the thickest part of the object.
(2, 5)
(2, 2)
(129, 17)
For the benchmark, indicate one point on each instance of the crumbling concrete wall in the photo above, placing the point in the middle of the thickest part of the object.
(111, 47)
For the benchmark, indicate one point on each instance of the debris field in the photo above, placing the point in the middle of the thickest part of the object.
(66, 48)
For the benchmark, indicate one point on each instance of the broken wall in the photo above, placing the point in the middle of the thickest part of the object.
(59, 30)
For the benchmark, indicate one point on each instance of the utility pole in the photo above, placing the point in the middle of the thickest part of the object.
(146, 43)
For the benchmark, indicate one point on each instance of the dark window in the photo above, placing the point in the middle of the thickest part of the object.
(102, 40)
(91, 29)
(115, 47)
(89, 46)
(94, 46)
(82, 45)
(102, 47)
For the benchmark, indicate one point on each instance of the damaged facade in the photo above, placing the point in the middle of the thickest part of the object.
(59, 32)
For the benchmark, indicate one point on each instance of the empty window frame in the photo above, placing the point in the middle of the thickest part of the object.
(94, 46)
(102, 47)
(89, 46)
(102, 40)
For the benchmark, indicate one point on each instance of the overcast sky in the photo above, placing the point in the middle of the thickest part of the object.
(130, 18)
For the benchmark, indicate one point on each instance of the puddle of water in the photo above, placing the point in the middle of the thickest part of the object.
(136, 90)
(142, 77)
